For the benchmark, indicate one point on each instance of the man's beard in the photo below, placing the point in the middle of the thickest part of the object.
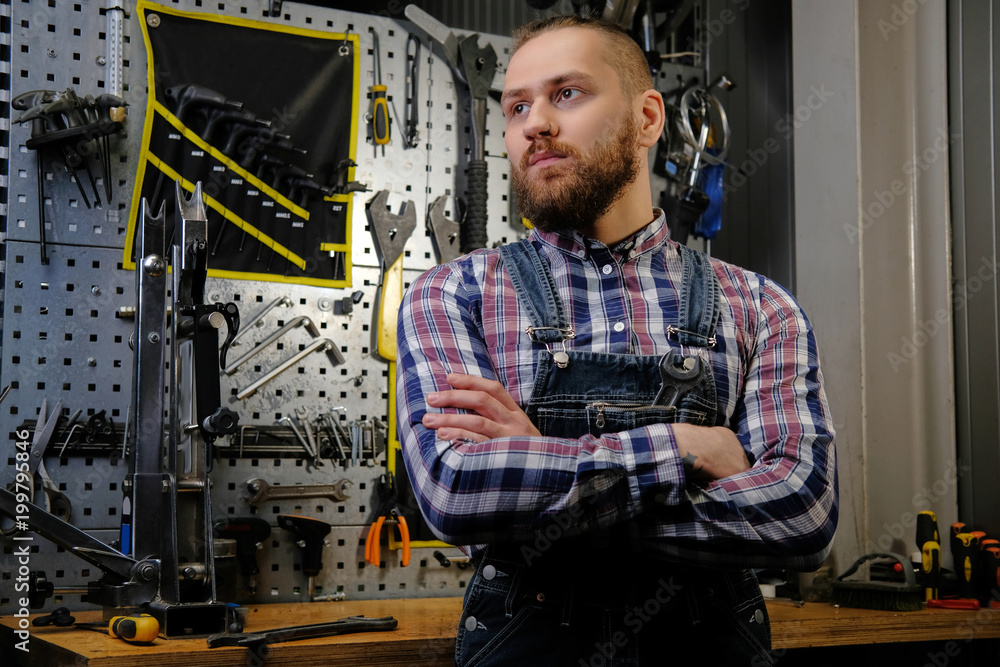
(557, 199)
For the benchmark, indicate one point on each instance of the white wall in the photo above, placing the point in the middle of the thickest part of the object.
(873, 248)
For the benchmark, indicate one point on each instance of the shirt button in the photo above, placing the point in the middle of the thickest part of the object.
(489, 572)
(607, 269)
(619, 326)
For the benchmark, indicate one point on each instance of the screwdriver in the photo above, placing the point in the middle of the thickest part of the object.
(927, 529)
(380, 106)
(967, 564)
(931, 557)
(135, 629)
(956, 528)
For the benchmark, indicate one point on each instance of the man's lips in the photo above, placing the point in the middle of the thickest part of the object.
(544, 158)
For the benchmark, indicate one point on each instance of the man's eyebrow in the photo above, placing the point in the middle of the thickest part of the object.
(554, 82)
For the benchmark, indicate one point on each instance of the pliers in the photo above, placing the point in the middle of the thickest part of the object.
(389, 513)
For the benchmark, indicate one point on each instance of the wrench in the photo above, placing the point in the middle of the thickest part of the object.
(679, 373)
(260, 491)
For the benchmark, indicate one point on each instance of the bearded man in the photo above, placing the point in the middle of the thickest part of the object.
(617, 428)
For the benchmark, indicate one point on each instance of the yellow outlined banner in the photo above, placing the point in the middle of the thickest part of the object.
(287, 226)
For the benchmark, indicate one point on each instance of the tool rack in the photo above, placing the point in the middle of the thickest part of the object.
(66, 322)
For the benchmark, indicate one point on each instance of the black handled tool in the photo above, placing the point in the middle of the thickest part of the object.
(967, 564)
(343, 626)
(248, 533)
(927, 529)
(475, 67)
(310, 534)
(380, 106)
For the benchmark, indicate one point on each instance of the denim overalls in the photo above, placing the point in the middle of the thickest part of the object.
(590, 599)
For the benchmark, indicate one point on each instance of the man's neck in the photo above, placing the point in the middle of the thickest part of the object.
(627, 216)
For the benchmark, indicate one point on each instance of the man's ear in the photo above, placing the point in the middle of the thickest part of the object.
(651, 119)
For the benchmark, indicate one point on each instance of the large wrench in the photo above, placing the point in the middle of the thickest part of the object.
(260, 491)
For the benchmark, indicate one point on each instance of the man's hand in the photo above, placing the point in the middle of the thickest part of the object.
(492, 413)
(710, 452)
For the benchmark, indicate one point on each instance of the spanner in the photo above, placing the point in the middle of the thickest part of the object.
(260, 491)
(679, 374)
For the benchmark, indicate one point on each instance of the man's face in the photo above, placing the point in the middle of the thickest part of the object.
(571, 134)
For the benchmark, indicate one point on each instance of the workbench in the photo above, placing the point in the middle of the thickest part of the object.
(426, 633)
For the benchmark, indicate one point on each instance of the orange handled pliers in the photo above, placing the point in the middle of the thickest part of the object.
(388, 513)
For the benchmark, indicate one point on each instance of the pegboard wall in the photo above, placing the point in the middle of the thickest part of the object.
(67, 302)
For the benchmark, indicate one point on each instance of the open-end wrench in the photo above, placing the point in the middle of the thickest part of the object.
(679, 374)
(260, 491)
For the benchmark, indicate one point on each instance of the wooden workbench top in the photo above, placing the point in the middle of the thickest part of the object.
(426, 635)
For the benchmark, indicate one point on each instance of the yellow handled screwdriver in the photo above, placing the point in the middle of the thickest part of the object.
(135, 629)
(380, 106)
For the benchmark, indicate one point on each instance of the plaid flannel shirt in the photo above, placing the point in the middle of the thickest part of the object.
(464, 317)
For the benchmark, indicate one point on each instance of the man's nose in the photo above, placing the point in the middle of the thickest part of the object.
(541, 122)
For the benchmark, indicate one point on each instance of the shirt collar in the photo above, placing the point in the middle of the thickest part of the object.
(650, 237)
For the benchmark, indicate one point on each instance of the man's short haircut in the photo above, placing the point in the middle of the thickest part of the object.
(621, 52)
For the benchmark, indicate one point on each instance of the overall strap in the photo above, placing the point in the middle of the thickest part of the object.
(700, 304)
(536, 291)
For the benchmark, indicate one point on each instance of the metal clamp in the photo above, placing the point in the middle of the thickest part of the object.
(559, 357)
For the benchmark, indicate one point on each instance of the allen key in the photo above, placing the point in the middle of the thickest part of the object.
(285, 301)
(321, 344)
(302, 320)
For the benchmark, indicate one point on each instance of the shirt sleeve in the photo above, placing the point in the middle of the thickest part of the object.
(783, 511)
(511, 489)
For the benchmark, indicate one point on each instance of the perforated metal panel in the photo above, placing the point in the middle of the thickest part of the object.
(66, 322)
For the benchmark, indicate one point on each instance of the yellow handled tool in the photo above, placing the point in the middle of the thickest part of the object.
(135, 629)
(141, 628)
(380, 105)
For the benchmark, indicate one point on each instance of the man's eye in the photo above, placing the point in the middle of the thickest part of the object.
(568, 93)
(518, 109)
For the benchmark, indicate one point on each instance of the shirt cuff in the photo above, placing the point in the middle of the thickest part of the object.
(655, 470)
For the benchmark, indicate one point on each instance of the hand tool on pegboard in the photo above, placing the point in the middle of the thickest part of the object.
(65, 121)
(34, 478)
(411, 132)
(445, 232)
(390, 233)
(249, 534)
(474, 67)
(388, 513)
(310, 534)
(378, 117)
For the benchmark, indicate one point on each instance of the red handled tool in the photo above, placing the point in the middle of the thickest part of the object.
(388, 513)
